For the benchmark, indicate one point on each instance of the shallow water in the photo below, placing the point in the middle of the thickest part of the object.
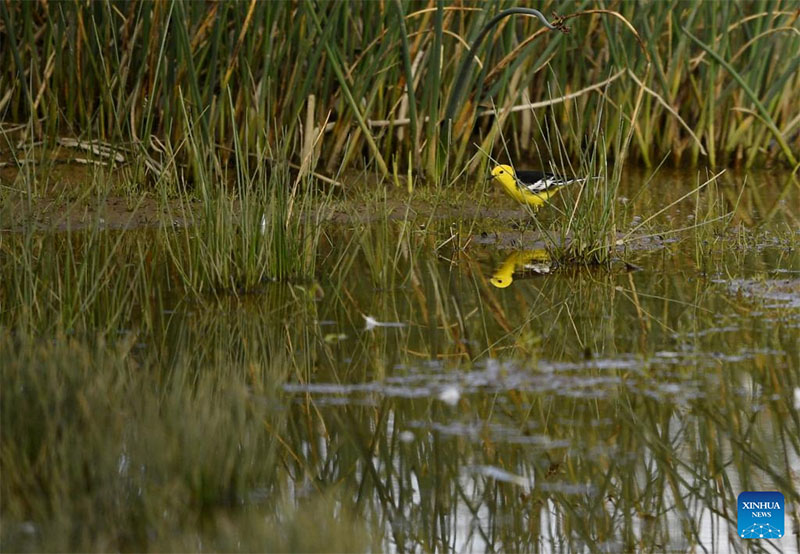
(602, 409)
(576, 408)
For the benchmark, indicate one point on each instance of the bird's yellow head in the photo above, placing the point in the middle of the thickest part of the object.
(504, 176)
(503, 171)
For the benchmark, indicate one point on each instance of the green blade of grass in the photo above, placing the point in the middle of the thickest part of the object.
(334, 59)
(752, 95)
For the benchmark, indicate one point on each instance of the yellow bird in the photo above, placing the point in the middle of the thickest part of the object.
(533, 188)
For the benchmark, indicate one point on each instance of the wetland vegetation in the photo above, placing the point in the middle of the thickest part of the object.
(257, 293)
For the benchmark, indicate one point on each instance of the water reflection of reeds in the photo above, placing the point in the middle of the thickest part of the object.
(586, 408)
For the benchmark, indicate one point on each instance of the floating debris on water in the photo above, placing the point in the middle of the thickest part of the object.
(371, 323)
(499, 474)
(450, 395)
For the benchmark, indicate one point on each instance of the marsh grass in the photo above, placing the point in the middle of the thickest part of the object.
(589, 223)
(720, 90)
(237, 241)
(210, 242)
(159, 386)
(590, 215)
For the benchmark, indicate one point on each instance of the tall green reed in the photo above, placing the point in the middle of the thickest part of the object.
(115, 71)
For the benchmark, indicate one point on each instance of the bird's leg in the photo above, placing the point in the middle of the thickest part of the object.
(524, 224)
(531, 219)
(530, 222)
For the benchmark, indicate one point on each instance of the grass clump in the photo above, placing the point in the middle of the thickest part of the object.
(261, 232)
(588, 231)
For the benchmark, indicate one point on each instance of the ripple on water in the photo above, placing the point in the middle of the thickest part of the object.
(479, 431)
(772, 293)
(587, 379)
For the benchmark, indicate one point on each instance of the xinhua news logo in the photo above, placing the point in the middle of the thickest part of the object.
(760, 515)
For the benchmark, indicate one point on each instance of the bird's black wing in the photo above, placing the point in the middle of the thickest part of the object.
(540, 181)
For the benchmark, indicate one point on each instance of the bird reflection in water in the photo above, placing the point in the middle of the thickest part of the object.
(523, 263)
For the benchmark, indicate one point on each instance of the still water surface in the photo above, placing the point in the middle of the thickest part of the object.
(572, 408)
(486, 398)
